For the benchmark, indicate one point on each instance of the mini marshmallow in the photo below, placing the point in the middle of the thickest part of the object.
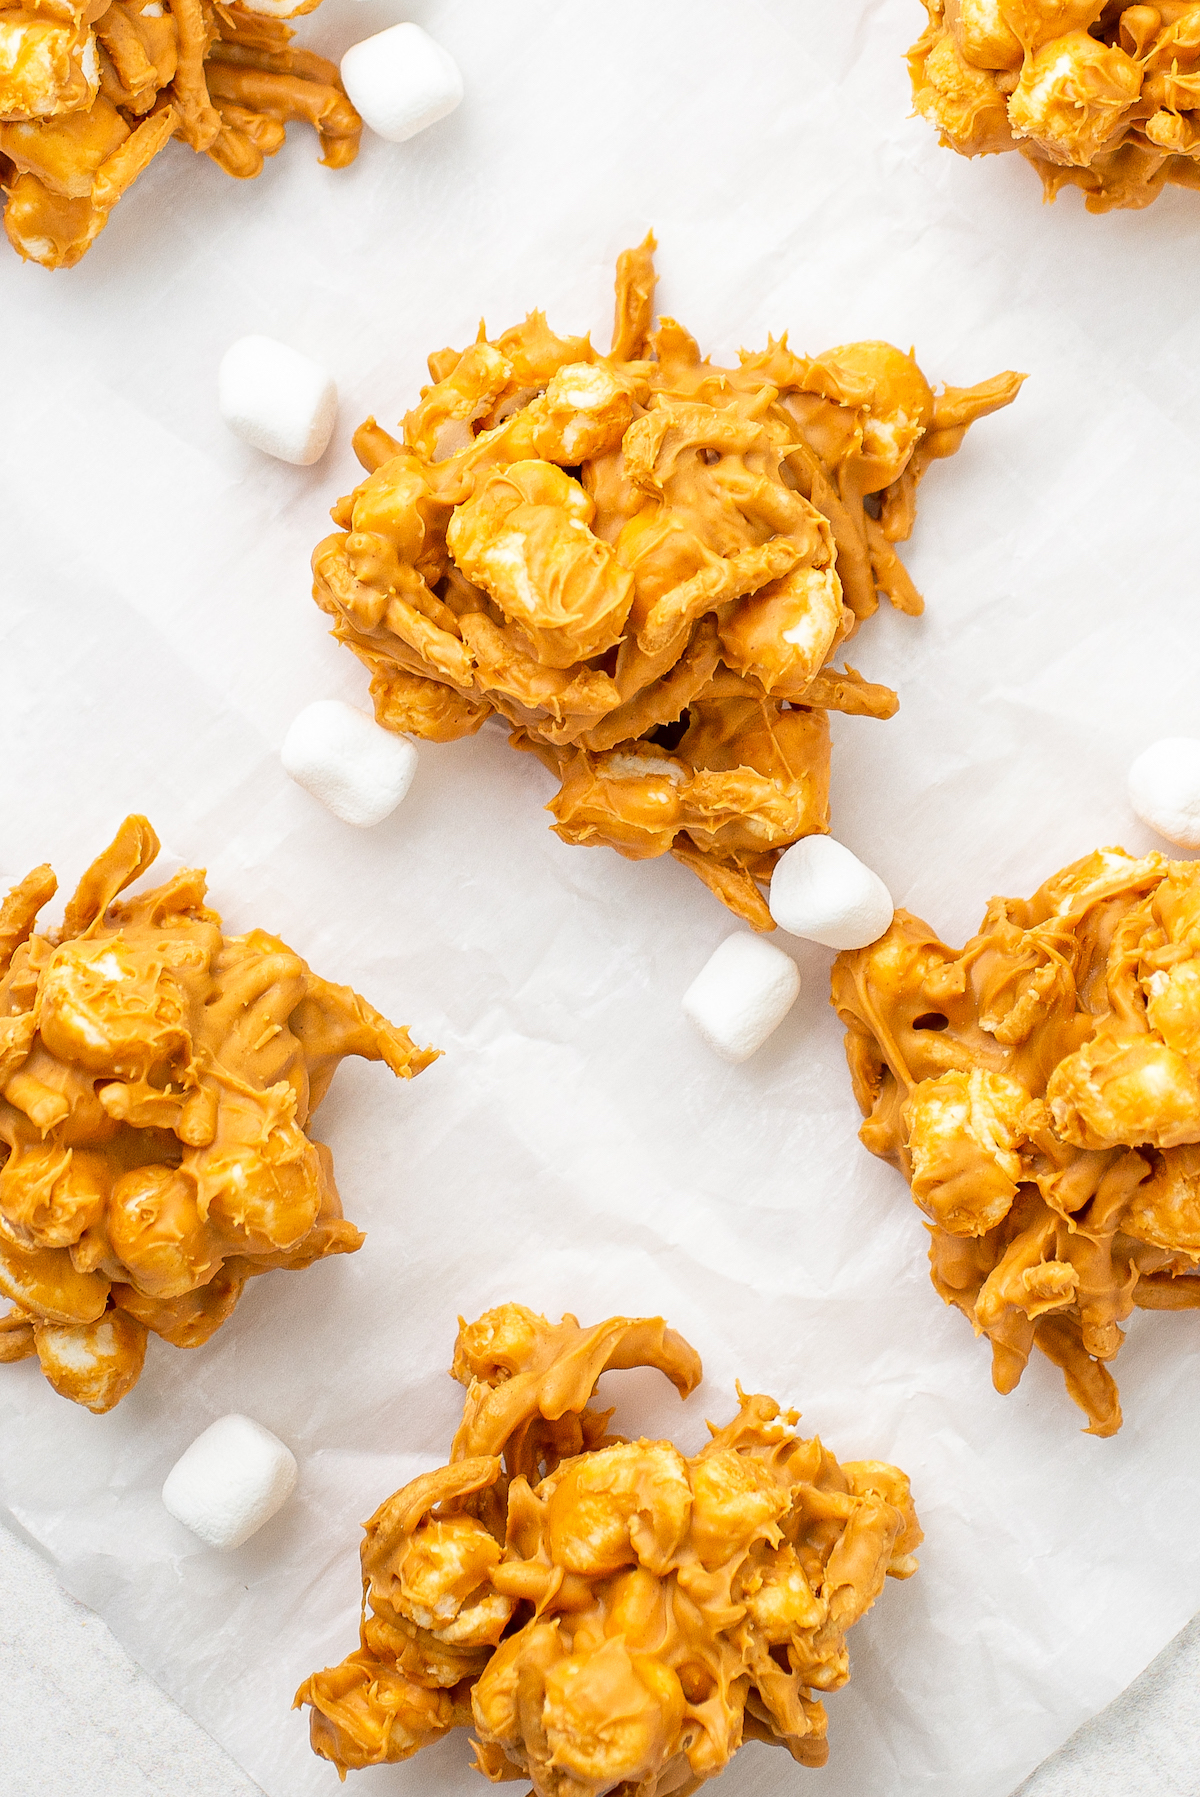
(1164, 789)
(230, 1481)
(358, 770)
(821, 891)
(401, 81)
(278, 400)
(744, 991)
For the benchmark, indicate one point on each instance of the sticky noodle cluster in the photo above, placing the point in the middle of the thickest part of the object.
(91, 91)
(608, 1614)
(645, 563)
(156, 1084)
(1040, 1090)
(1098, 96)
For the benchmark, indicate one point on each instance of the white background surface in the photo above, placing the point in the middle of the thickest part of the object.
(578, 1148)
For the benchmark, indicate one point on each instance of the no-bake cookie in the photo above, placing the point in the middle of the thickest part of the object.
(92, 90)
(608, 1614)
(645, 563)
(157, 1082)
(1098, 96)
(1040, 1090)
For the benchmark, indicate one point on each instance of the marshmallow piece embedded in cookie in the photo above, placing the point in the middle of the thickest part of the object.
(276, 399)
(1164, 789)
(357, 769)
(744, 991)
(230, 1481)
(821, 891)
(401, 81)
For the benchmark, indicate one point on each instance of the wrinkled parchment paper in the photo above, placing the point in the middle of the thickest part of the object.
(578, 1147)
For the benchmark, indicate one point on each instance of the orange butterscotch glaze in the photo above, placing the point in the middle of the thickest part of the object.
(1040, 1090)
(92, 90)
(157, 1079)
(608, 1613)
(645, 563)
(1101, 97)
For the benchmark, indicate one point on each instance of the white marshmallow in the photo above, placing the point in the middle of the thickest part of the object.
(230, 1481)
(744, 991)
(401, 81)
(1164, 789)
(278, 400)
(357, 769)
(821, 891)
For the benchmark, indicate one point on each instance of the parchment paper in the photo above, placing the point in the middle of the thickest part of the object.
(578, 1148)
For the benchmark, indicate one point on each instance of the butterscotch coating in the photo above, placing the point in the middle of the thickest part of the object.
(608, 1613)
(157, 1081)
(1095, 96)
(1040, 1090)
(92, 90)
(645, 563)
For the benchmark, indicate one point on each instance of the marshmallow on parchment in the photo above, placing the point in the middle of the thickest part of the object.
(744, 991)
(230, 1481)
(276, 399)
(821, 891)
(357, 769)
(1164, 789)
(401, 81)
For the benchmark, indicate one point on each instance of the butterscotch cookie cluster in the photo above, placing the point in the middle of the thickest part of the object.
(157, 1081)
(646, 564)
(1097, 96)
(608, 1614)
(1040, 1090)
(92, 91)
